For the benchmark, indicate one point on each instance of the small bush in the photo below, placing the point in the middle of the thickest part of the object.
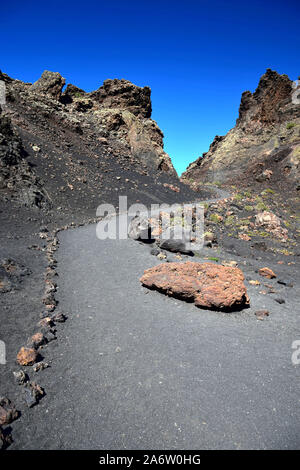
(215, 218)
(261, 206)
(290, 125)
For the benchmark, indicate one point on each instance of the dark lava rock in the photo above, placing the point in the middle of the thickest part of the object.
(285, 283)
(175, 246)
(280, 301)
(5, 437)
(154, 251)
(20, 377)
(33, 393)
(8, 412)
(59, 317)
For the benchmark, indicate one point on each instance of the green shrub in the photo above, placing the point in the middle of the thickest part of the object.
(215, 218)
(290, 125)
(261, 206)
(229, 220)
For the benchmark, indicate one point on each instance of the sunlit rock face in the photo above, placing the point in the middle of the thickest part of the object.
(266, 137)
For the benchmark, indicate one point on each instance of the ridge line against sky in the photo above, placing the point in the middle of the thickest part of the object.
(196, 57)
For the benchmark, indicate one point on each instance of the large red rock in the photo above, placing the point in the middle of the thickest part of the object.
(207, 284)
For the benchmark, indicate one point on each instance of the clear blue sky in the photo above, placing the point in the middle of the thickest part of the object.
(197, 56)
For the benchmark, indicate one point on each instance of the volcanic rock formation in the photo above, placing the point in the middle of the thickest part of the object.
(264, 145)
(72, 150)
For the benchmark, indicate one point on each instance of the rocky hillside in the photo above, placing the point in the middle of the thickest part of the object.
(264, 145)
(70, 150)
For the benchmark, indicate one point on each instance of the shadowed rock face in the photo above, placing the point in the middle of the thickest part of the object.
(17, 179)
(266, 137)
(207, 285)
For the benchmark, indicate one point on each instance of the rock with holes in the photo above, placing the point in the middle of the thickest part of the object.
(208, 285)
(27, 356)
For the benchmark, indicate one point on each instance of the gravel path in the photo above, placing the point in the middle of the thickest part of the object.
(133, 369)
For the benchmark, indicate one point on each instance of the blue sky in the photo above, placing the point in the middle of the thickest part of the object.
(197, 56)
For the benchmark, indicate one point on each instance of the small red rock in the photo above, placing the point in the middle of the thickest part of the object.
(267, 272)
(27, 356)
(37, 340)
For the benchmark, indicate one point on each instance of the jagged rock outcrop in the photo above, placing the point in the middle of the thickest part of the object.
(122, 94)
(265, 143)
(118, 111)
(87, 147)
(50, 83)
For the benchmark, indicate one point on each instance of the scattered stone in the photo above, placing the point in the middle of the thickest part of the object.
(8, 412)
(140, 229)
(267, 272)
(208, 285)
(154, 251)
(161, 256)
(261, 314)
(176, 246)
(229, 263)
(272, 224)
(40, 366)
(21, 377)
(244, 236)
(46, 322)
(27, 356)
(37, 340)
(280, 301)
(59, 317)
(33, 393)
(254, 282)
(285, 283)
(5, 438)
(172, 187)
(49, 334)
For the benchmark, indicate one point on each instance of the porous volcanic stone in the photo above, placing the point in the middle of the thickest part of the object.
(207, 285)
(27, 356)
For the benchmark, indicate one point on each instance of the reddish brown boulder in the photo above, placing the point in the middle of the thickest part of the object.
(27, 356)
(37, 340)
(267, 272)
(207, 284)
